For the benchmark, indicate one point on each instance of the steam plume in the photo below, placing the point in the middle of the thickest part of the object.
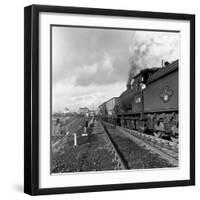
(149, 48)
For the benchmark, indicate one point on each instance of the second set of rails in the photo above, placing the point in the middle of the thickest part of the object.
(161, 148)
(126, 149)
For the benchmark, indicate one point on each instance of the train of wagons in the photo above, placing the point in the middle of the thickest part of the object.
(149, 104)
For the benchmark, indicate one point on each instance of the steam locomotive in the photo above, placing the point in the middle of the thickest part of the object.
(149, 104)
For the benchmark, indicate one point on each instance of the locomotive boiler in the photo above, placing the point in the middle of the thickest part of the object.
(150, 103)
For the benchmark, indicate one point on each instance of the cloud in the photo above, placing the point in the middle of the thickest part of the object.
(74, 97)
(82, 51)
(92, 65)
(100, 73)
(149, 48)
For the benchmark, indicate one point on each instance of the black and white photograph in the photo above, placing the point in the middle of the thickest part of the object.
(114, 99)
(109, 99)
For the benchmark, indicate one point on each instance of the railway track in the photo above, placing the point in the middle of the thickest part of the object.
(165, 149)
(111, 148)
(115, 153)
(93, 153)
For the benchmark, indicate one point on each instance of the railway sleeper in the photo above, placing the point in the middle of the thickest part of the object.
(165, 143)
(159, 145)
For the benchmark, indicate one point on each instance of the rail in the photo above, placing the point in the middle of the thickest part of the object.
(113, 150)
(166, 149)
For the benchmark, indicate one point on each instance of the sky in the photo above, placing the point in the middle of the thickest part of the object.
(90, 66)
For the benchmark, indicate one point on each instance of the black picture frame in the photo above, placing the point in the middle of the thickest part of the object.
(31, 98)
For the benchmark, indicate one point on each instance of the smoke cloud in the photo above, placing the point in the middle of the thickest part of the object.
(149, 48)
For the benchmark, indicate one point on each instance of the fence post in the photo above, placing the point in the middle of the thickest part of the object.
(75, 139)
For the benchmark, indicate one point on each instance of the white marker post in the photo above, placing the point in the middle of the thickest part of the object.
(75, 139)
(84, 132)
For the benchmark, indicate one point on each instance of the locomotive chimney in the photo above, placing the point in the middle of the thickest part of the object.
(128, 85)
(130, 78)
